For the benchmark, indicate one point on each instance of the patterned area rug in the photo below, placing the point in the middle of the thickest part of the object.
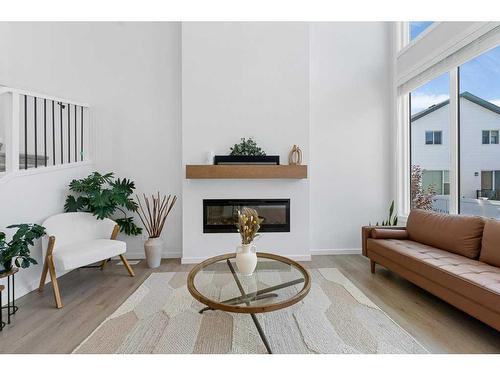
(335, 317)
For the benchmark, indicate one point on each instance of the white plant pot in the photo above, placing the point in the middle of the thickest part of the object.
(246, 259)
(153, 248)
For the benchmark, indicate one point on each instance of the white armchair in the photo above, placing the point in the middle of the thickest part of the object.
(77, 239)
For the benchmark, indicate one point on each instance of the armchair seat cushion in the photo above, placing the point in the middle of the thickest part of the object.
(83, 253)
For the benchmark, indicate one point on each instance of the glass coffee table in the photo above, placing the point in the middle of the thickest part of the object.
(277, 283)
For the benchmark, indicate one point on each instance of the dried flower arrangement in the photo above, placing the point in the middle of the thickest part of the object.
(157, 212)
(248, 225)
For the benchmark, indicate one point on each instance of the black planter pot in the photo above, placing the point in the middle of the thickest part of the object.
(6, 267)
(244, 159)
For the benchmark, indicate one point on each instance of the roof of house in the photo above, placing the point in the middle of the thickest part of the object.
(466, 95)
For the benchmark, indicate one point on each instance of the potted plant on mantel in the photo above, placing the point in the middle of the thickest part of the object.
(248, 225)
(17, 249)
(153, 218)
(246, 152)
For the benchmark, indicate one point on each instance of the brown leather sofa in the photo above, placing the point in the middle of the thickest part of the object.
(455, 257)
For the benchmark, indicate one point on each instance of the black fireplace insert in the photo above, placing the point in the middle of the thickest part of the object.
(220, 215)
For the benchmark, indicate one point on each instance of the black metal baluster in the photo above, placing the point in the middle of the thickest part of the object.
(53, 136)
(61, 123)
(76, 139)
(81, 134)
(36, 131)
(45, 131)
(25, 132)
(69, 134)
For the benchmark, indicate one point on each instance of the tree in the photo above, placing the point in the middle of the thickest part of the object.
(420, 197)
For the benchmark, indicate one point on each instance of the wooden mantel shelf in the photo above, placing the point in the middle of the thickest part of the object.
(246, 171)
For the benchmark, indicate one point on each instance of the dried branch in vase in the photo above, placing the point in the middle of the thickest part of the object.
(248, 225)
(157, 209)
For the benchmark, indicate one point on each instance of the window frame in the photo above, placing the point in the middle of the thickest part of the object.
(433, 132)
(407, 43)
(489, 131)
(402, 100)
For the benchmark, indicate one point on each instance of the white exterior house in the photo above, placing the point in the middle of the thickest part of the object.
(479, 152)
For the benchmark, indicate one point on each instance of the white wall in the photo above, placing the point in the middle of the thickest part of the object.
(244, 80)
(130, 74)
(31, 199)
(323, 86)
(350, 131)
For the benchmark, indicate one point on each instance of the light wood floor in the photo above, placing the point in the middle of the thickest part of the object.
(91, 295)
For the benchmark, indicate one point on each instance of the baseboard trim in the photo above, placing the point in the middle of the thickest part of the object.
(140, 255)
(195, 260)
(335, 251)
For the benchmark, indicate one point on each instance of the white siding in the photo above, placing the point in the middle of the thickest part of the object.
(474, 156)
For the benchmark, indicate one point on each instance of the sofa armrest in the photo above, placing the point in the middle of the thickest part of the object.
(366, 232)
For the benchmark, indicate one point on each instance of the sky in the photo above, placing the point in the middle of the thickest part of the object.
(479, 76)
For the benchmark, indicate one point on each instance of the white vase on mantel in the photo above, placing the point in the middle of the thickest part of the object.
(246, 259)
(153, 248)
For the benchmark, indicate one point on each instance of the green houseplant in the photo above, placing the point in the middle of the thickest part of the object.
(247, 148)
(17, 249)
(392, 220)
(103, 195)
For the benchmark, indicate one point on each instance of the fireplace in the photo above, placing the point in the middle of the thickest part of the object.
(220, 215)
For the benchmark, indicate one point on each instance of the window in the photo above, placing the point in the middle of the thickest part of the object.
(437, 181)
(446, 182)
(433, 137)
(416, 28)
(490, 137)
(490, 185)
(479, 102)
(494, 137)
(437, 94)
(430, 180)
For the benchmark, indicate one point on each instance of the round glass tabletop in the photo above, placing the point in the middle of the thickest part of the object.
(276, 283)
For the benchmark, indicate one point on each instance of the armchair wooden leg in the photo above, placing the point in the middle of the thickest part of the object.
(372, 266)
(50, 249)
(44, 275)
(55, 285)
(127, 266)
(103, 264)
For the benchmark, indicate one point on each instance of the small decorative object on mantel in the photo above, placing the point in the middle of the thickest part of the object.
(295, 156)
(209, 158)
(16, 251)
(248, 225)
(153, 218)
(246, 152)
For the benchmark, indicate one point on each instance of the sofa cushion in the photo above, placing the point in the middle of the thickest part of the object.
(473, 279)
(385, 233)
(459, 234)
(490, 247)
(80, 254)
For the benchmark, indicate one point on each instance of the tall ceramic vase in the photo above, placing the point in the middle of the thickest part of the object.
(153, 248)
(246, 259)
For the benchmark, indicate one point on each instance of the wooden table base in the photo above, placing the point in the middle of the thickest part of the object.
(258, 295)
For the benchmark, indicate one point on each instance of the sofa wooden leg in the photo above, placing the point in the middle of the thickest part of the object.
(127, 266)
(372, 266)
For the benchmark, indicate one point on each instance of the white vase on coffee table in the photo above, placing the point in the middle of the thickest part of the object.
(153, 248)
(246, 259)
